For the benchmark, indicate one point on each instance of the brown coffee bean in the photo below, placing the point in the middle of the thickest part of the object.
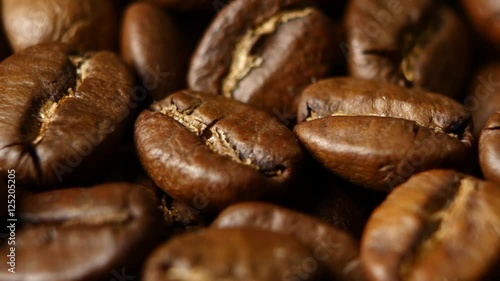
(84, 233)
(345, 96)
(425, 130)
(330, 246)
(489, 149)
(208, 151)
(484, 96)
(410, 43)
(82, 24)
(152, 43)
(232, 254)
(61, 112)
(378, 152)
(484, 16)
(264, 53)
(440, 225)
(361, 119)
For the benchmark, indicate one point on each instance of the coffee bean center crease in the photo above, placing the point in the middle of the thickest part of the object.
(49, 107)
(214, 138)
(440, 216)
(243, 61)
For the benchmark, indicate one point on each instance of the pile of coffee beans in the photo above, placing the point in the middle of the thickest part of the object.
(252, 140)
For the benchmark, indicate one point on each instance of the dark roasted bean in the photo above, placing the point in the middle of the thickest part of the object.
(489, 149)
(377, 135)
(232, 255)
(484, 96)
(152, 43)
(61, 112)
(378, 152)
(412, 43)
(484, 16)
(330, 246)
(84, 233)
(87, 25)
(440, 225)
(209, 151)
(264, 53)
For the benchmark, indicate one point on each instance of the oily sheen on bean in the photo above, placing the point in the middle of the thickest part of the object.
(331, 247)
(208, 151)
(62, 113)
(153, 45)
(230, 254)
(439, 225)
(484, 16)
(264, 53)
(408, 43)
(377, 135)
(484, 95)
(489, 149)
(84, 233)
(378, 152)
(346, 96)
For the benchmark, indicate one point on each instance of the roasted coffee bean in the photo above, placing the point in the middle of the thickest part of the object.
(410, 43)
(61, 112)
(152, 43)
(358, 119)
(345, 96)
(484, 96)
(330, 246)
(489, 149)
(264, 53)
(232, 254)
(484, 16)
(440, 225)
(84, 233)
(379, 152)
(86, 25)
(208, 151)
